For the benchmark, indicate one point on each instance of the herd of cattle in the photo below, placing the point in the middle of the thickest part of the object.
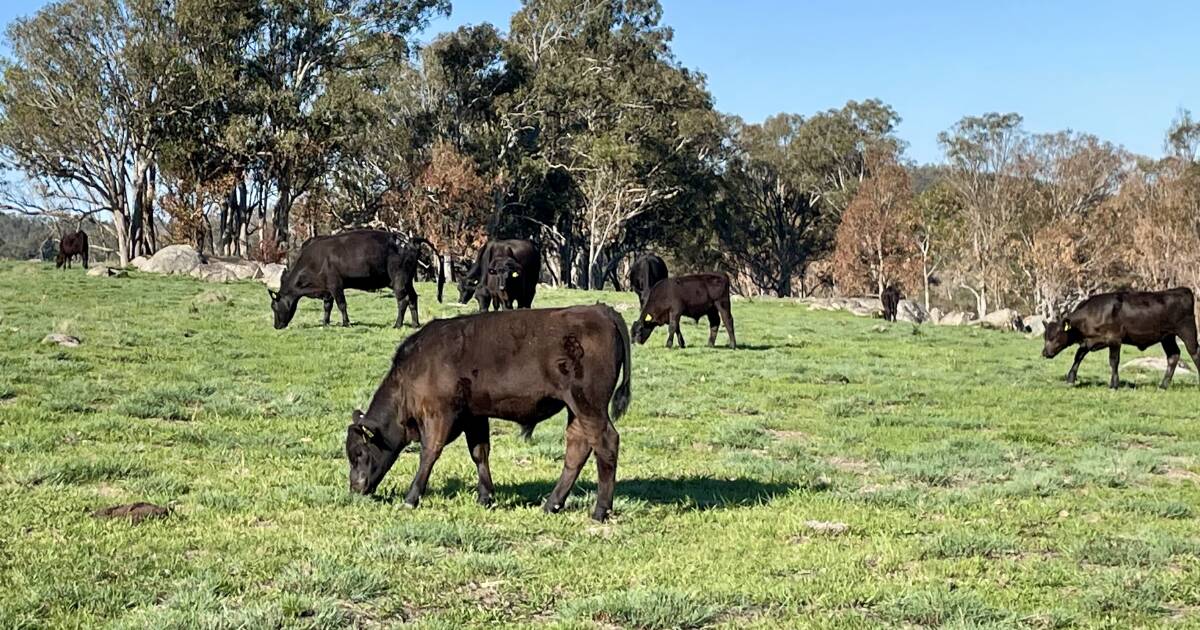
(454, 375)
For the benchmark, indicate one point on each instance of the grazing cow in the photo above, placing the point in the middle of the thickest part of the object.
(525, 366)
(1132, 318)
(72, 245)
(646, 272)
(527, 256)
(367, 260)
(503, 274)
(693, 296)
(890, 298)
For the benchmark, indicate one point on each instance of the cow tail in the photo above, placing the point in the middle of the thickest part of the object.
(621, 398)
(441, 266)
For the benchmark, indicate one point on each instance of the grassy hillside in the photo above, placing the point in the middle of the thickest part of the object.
(836, 472)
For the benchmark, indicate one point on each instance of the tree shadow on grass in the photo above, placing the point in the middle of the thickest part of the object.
(696, 492)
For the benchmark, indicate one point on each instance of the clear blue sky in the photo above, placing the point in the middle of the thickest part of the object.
(1120, 70)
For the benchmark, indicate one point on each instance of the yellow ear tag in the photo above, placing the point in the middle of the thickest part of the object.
(515, 274)
(649, 317)
(1066, 325)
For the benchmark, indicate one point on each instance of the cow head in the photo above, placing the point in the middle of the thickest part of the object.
(641, 329)
(284, 307)
(60, 260)
(371, 451)
(502, 272)
(1059, 334)
(466, 289)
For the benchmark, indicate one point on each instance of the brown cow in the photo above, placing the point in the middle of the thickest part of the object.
(520, 365)
(72, 245)
(694, 296)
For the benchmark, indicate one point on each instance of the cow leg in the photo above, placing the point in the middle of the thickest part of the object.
(673, 331)
(714, 322)
(606, 446)
(1172, 350)
(328, 310)
(84, 257)
(339, 297)
(573, 461)
(1079, 354)
(479, 442)
(434, 436)
(412, 304)
(727, 319)
(1188, 335)
(1114, 362)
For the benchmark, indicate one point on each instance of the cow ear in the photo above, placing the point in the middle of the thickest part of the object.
(274, 295)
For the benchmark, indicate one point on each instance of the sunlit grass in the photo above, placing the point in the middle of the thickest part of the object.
(975, 488)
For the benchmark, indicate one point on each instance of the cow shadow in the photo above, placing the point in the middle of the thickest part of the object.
(692, 492)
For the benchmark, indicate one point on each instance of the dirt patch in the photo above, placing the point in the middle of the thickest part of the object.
(856, 466)
(1179, 474)
(134, 512)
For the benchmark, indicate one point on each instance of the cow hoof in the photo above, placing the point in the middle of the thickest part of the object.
(409, 505)
(600, 515)
(552, 508)
(486, 501)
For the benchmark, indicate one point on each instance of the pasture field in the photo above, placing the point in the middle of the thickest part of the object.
(837, 472)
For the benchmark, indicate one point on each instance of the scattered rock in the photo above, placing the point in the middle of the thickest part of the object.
(66, 341)
(1000, 319)
(272, 275)
(1035, 325)
(106, 272)
(139, 262)
(955, 318)
(174, 259)
(1155, 364)
(214, 273)
(243, 269)
(880, 328)
(911, 312)
(935, 315)
(829, 528)
(135, 512)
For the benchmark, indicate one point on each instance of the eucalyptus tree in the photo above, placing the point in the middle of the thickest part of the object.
(786, 182)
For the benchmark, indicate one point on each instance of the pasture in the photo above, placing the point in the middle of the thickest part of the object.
(835, 472)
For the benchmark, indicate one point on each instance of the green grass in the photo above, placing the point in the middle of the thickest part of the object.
(976, 489)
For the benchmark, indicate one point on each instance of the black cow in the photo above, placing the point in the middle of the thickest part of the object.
(1132, 318)
(525, 366)
(72, 245)
(646, 272)
(503, 275)
(694, 296)
(367, 260)
(890, 298)
(527, 256)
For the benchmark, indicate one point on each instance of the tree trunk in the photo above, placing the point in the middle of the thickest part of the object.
(783, 285)
(283, 206)
(121, 223)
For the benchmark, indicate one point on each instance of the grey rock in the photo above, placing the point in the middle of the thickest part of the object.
(66, 341)
(911, 312)
(272, 275)
(174, 259)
